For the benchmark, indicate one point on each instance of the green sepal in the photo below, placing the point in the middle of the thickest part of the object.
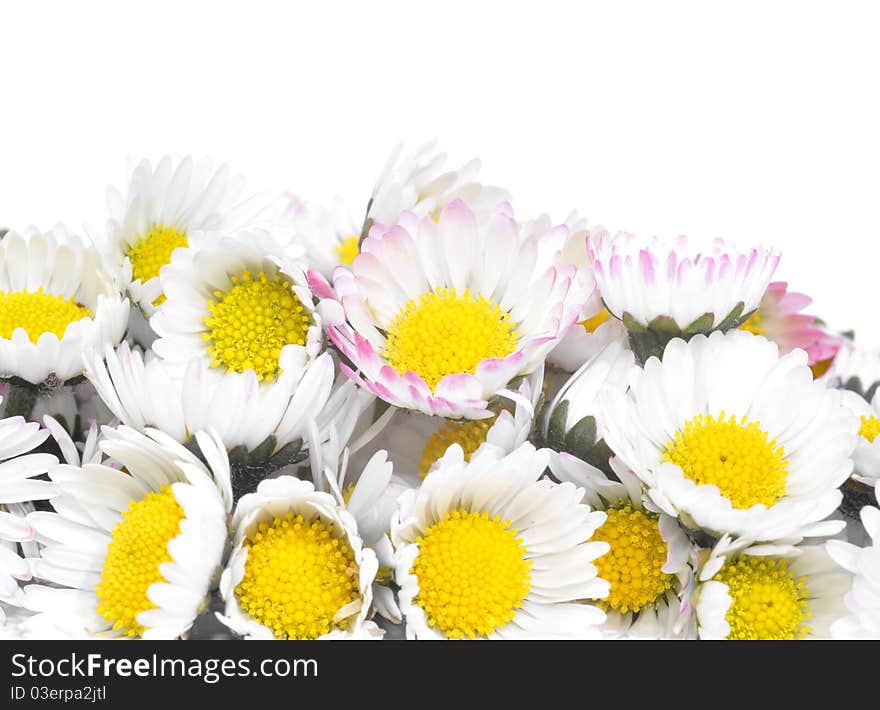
(581, 438)
(632, 325)
(703, 324)
(734, 319)
(556, 426)
(665, 325)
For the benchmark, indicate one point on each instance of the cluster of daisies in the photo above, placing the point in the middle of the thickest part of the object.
(436, 418)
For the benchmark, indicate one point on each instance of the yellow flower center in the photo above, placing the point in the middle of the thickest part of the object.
(348, 250)
(870, 428)
(633, 565)
(138, 545)
(768, 601)
(734, 455)
(592, 324)
(443, 333)
(153, 252)
(300, 579)
(472, 574)
(38, 313)
(250, 323)
(753, 324)
(470, 435)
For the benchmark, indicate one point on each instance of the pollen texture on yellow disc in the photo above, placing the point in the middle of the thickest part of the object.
(472, 574)
(591, 324)
(154, 251)
(633, 565)
(753, 324)
(249, 324)
(768, 601)
(444, 333)
(37, 313)
(734, 455)
(347, 250)
(138, 545)
(870, 428)
(469, 435)
(297, 578)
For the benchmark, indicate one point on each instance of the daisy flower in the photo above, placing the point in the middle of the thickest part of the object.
(322, 237)
(858, 370)
(648, 564)
(662, 289)
(161, 210)
(18, 489)
(768, 593)
(863, 599)
(134, 552)
(734, 438)
(298, 569)
(235, 308)
(574, 423)
(369, 492)
(487, 549)
(416, 441)
(441, 316)
(56, 300)
(779, 318)
(866, 457)
(597, 328)
(415, 182)
(262, 427)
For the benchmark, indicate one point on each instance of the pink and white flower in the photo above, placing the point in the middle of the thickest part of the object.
(678, 285)
(596, 327)
(473, 305)
(779, 318)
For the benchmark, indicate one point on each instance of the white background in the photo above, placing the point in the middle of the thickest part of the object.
(755, 121)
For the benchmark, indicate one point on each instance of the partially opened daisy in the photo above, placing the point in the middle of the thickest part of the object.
(735, 439)
(573, 424)
(649, 563)
(18, 489)
(261, 425)
(134, 552)
(298, 569)
(234, 307)
(441, 316)
(862, 600)
(769, 593)
(56, 300)
(665, 288)
(416, 441)
(416, 182)
(161, 209)
(487, 549)
(779, 318)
